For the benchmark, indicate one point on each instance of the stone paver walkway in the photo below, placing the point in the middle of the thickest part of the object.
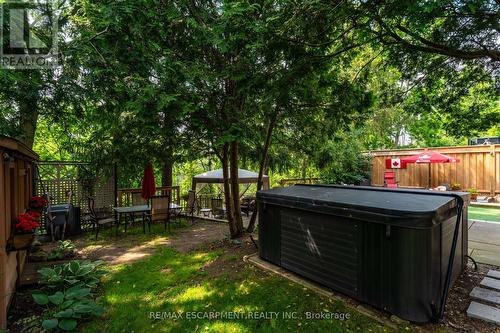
(487, 299)
(484, 242)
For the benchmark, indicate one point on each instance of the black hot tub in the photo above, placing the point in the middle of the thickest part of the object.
(389, 248)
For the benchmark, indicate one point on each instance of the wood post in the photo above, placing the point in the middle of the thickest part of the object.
(493, 170)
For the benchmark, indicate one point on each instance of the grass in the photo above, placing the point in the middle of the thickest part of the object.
(484, 213)
(212, 280)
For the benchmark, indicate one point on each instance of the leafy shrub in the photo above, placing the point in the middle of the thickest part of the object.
(472, 191)
(64, 248)
(74, 273)
(68, 293)
(65, 308)
(343, 161)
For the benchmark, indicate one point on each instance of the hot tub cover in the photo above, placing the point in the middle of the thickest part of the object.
(414, 208)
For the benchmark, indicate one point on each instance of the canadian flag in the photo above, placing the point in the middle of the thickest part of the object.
(394, 163)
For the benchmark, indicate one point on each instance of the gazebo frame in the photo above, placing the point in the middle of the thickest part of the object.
(215, 177)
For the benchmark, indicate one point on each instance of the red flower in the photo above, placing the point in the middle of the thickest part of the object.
(38, 202)
(28, 221)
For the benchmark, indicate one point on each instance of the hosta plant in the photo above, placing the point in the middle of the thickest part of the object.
(65, 309)
(64, 249)
(74, 273)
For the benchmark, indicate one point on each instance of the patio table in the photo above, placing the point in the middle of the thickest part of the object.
(129, 212)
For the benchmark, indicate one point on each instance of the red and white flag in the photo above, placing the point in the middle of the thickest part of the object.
(395, 163)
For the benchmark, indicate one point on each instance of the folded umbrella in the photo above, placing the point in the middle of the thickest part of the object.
(148, 188)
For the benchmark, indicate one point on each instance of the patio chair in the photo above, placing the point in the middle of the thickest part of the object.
(390, 180)
(191, 204)
(218, 210)
(160, 211)
(247, 205)
(138, 200)
(99, 219)
(204, 205)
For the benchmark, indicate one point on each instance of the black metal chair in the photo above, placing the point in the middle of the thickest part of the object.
(99, 220)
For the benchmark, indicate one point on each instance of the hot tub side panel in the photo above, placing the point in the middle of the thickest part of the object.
(322, 248)
(270, 233)
(460, 261)
(400, 270)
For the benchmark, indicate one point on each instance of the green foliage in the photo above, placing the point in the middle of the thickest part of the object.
(472, 191)
(71, 274)
(171, 82)
(68, 294)
(64, 248)
(343, 161)
(65, 309)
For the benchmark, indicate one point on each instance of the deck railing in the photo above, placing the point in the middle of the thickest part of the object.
(293, 181)
(132, 196)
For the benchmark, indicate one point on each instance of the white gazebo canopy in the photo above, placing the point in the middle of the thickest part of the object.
(215, 177)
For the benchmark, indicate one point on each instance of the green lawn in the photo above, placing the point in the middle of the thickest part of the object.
(484, 213)
(212, 280)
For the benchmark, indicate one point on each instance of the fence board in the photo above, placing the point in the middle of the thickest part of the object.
(479, 168)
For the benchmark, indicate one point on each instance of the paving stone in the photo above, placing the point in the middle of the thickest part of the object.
(487, 257)
(484, 312)
(485, 233)
(485, 295)
(490, 283)
(493, 274)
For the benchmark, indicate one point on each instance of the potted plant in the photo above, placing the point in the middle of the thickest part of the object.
(456, 187)
(24, 231)
(473, 194)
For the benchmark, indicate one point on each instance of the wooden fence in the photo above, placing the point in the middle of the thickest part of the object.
(479, 168)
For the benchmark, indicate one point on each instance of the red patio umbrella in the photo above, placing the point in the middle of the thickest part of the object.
(429, 157)
(148, 188)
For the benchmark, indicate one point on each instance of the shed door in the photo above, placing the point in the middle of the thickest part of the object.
(322, 248)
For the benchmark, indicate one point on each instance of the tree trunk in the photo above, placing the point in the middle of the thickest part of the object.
(304, 167)
(28, 116)
(166, 174)
(235, 190)
(262, 169)
(227, 191)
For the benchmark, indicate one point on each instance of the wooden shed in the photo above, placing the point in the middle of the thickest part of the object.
(16, 188)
